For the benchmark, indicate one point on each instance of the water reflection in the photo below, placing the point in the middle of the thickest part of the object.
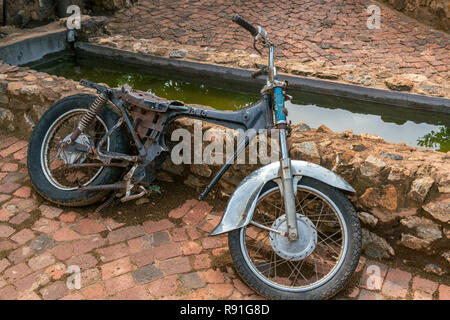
(439, 140)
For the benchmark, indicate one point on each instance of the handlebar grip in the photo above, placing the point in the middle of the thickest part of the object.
(244, 24)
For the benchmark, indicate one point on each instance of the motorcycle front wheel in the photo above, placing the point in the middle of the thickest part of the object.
(314, 267)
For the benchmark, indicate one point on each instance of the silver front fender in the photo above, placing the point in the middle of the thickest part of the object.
(240, 207)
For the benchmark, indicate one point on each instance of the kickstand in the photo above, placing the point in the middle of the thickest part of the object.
(107, 203)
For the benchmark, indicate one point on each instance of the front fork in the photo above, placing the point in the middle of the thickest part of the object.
(285, 166)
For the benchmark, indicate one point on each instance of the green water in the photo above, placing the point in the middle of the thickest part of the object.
(415, 128)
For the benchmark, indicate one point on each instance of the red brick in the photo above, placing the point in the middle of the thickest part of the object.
(5, 231)
(193, 233)
(19, 204)
(155, 226)
(396, 283)
(5, 143)
(90, 276)
(175, 265)
(69, 217)
(201, 261)
(136, 293)
(218, 252)
(143, 258)
(420, 295)
(125, 233)
(7, 245)
(8, 293)
(9, 187)
(444, 292)
(139, 244)
(54, 291)
(2, 282)
(88, 226)
(13, 148)
(20, 218)
(113, 252)
(197, 214)
(20, 254)
(16, 272)
(50, 212)
(3, 197)
(213, 276)
(221, 290)
(65, 234)
(41, 261)
(85, 261)
(200, 294)
(183, 209)
(118, 284)
(21, 154)
(45, 225)
(116, 268)
(29, 295)
(5, 215)
(23, 236)
(31, 282)
(56, 271)
(4, 263)
(87, 244)
(10, 167)
(73, 297)
(63, 251)
(23, 192)
(167, 251)
(368, 295)
(94, 291)
(191, 247)
(424, 285)
(163, 287)
(213, 242)
(179, 235)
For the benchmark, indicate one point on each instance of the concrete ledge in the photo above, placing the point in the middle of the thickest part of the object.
(212, 71)
(34, 48)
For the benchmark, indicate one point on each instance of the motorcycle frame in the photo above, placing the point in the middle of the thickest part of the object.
(267, 113)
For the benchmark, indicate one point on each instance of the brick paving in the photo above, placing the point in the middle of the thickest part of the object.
(170, 258)
(331, 31)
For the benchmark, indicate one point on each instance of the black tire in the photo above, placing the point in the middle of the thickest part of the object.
(74, 198)
(327, 289)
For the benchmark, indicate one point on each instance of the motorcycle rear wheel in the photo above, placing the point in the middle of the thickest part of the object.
(48, 175)
(278, 269)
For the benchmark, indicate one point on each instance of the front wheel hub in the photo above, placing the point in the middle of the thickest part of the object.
(298, 249)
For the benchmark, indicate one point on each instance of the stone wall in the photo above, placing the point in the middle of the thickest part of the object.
(25, 12)
(433, 12)
(376, 77)
(403, 192)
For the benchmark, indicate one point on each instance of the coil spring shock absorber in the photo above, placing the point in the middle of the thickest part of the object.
(87, 119)
(92, 112)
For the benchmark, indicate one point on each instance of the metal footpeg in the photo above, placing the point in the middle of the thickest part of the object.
(129, 196)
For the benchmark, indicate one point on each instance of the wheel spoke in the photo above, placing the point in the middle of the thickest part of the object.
(311, 269)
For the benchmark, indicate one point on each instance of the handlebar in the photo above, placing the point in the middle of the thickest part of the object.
(244, 24)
